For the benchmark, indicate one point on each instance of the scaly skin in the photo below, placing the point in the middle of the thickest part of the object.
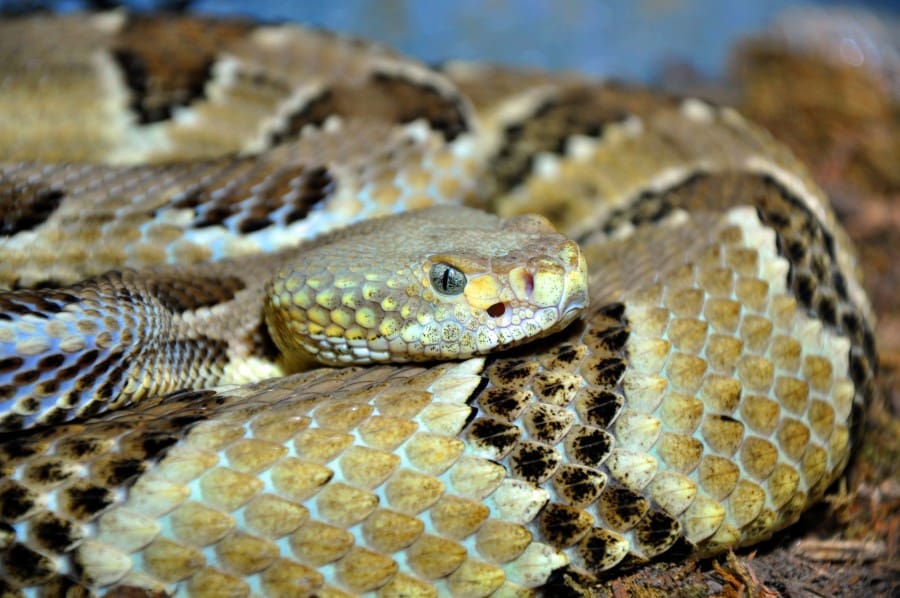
(704, 398)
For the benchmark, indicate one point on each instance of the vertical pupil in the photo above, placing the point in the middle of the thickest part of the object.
(445, 279)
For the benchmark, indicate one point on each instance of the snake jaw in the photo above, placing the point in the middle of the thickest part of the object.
(522, 281)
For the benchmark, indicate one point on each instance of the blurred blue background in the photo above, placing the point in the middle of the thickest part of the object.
(631, 39)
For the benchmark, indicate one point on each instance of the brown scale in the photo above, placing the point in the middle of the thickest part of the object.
(180, 293)
(562, 525)
(53, 533)
(584, 447)
(385, 97)
(522, 416)
(25, 205)
(496, 436)
(34, 303)
(569, 454)
(547, 423)
(533, 461)
(99, 375)
(270, 185)
(656, 533)
(579, 485)
(25, 567)
(104, 458)
(576, 110)
(167, 62)
(815, 277)
(48, 472)
(588, 446)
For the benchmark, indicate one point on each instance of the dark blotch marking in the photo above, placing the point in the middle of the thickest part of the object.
(253, 224)
(496, 434)
(840, 285)
(11, 422)
(48, 473)
(859, 369)
(596, 548)
(563, 525)
(40, 303)
(576, 110)
(615, 311)
(48, 388)
(553, 388)
(10, 364)
(800, 236)
(534, 462)
(87, 358)
(386, 96)
(189, 292)
(606, 372)
(14, 448)
(54, 415)
(25, 566)
(64, 374)
(80, 449)
(852, 324)
(589, 446)
(869, 348)
(28, 404)
(657, 532)
(820, 268)
(15, 501)
(504, 403)
(26, 377)
(600, 407)
(580, 485)
(512, 372)
(51, 362)
(318, 185)
(250, 191)
(167, 63)
(632, 562)
(612, 339)
(84, 500)
(827, 309)
(422, 100)
(805, 287)
(118, 470)
(622, 508)
(153, 445)
(547, 425)
(25, 205)
(54, 533)
(313, 113)
(795, 250)
(567, 354)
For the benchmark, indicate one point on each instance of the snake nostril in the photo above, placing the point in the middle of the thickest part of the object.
(497, 310)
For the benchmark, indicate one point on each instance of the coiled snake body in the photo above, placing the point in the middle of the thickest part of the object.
(702, 400)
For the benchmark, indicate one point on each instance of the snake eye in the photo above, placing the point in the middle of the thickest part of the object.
(447, 279)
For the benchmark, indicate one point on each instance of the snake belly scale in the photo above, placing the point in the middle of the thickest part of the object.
(162, 176)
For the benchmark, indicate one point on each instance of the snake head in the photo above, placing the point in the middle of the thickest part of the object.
(434, 284)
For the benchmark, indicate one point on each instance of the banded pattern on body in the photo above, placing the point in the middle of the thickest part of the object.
(705, 398)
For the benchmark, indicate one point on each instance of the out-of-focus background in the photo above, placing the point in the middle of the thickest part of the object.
(632, 39)
(824, 77)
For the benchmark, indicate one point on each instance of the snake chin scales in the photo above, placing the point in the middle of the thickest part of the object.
(196, 214)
